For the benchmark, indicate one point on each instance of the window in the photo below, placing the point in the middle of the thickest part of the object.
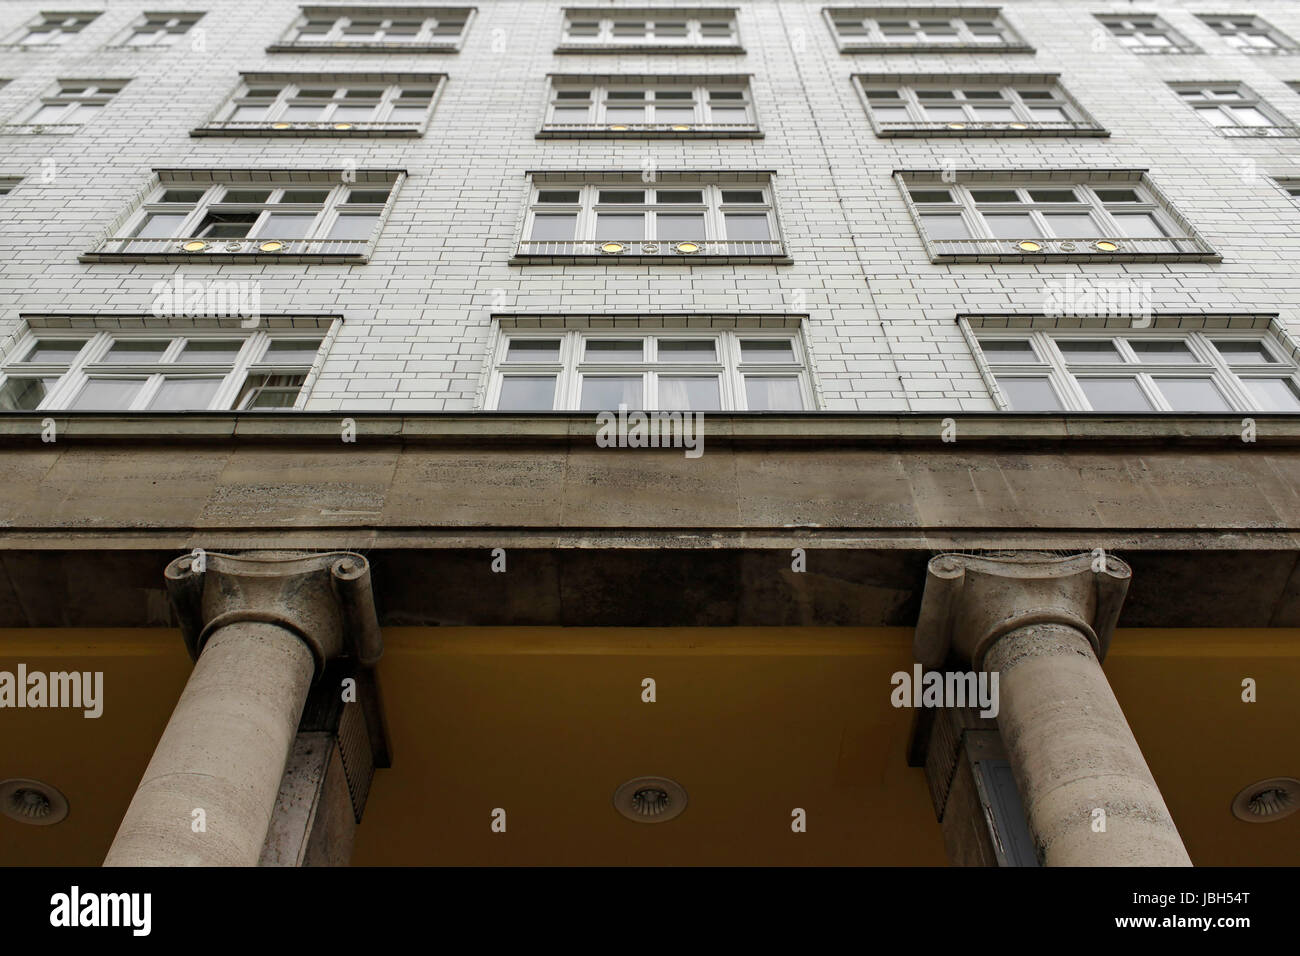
(652, 30)
(1147, 371)
(344, 29)
(157, 371)
(667, 369)
(678, 217)
(154, 30)
(917, 29)
(1076, 215)
(1234, 109)
(1290, 186)
(7, 184)
(657, 106)
(52, 29)
(238, 214)
(1146, 33)
(71, 104)
(323, 104)
(1249, 34)
(973, 105)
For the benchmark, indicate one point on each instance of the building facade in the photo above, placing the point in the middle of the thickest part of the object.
(333, 337)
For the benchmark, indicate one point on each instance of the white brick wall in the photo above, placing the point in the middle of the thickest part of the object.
(417, 317)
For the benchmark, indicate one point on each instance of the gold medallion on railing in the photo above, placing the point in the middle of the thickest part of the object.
(1028, 245)
(271, 245)
(688, 248)
(1020, 126)
(1105, 245)
(612, 248)
(281, 125)
(195, 245)
(342, 125)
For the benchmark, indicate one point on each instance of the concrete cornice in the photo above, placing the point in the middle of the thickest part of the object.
(810, 428)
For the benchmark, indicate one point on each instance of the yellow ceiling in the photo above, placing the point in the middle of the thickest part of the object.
(546, 722)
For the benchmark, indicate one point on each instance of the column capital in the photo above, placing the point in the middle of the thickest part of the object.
(324, 598)
(971, 601)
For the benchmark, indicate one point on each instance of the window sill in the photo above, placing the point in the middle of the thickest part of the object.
(135, 48)
(917, 130)
(32, 46)
(936, 48)
(1252, 51)
(720, 252)
(39, 129)
(649, 131)
(347, 130)
(1162, 51)
(345, 47)
(649, 48)
(230, 250)
(1185, 249)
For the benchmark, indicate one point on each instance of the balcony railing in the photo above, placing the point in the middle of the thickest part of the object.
(1258, 130)
(640, 249)
(1093, 247)
(997, 128)
(24, 129)
(643, 130)
(263, 248)
(442, 45)
(298, 128)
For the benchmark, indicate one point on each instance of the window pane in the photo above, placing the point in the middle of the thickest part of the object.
(108, 393)
(533, 350)
(945, 227)
(1244, 353)
(226, 225)
(622, 196)
(1193, 395)
(1013, 226)
(159, 225)
(287, 225)
(54, 351)
(687, 350)
(1048, 114)
(376, 197)
(185, 393)
(270, 391)
(945, 114)
(995, 195)
(24, 394)
(624, 114)
(675, 226)
(689, 393)
(1163, 352)
(1008, 350)
(291, 352)
(127, 351)
(353, 227)
(1053, 195)
(1098, 350)
(769, 393)
(1114, 395)
(613, 350)
(1030, 394)
(742, 195)
(199, 351)
(1118, 195)
(607, 393)
(554, 226)
(767, 350)
(1274, 394)
(1141, 226)
(747, 227)
(995, 114)
(527, 393)
(621, 226)
(1070, 225)
(685, 196)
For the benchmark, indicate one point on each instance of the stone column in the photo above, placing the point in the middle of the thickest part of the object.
(1043, 623)
(261, 627)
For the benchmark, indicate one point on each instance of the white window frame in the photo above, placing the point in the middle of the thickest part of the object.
(1222, 97)
(598, 102)
(1110, 240)
(1008, 87)
(1064, 377)
(164, 37)
(964, 39)
(183, 243)
(61, 24)
(8, 184)
(608, 37)
(97, 93)
(1240, 38)
(1140, 25)
(90, 363)
(388, 93)
(713, 208)
(426, 39)
(572, 366)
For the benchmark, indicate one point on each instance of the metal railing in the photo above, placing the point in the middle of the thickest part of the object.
(299, 126)
(57, 128)
(199, 248)
(1258, 130)
(673, 248)
(1100, 247)
(997, 126)
(687, 127)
